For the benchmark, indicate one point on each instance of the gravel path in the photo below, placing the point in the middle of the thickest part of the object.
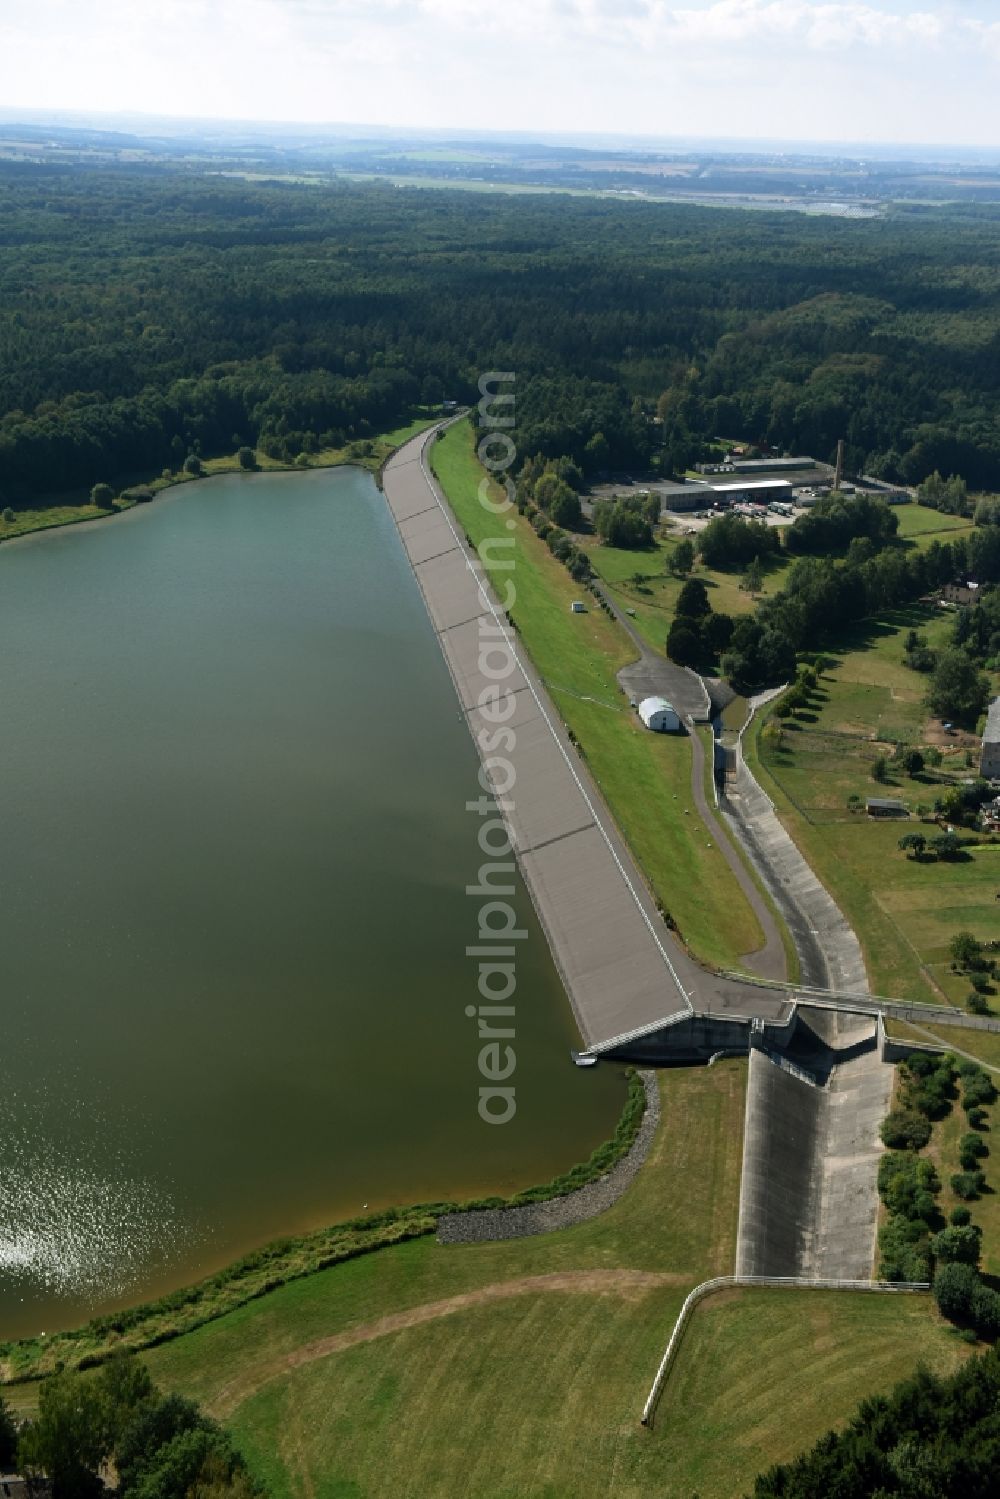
(558, 1212)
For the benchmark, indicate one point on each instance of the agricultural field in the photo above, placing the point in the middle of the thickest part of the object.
(645, 777)
(904, 912)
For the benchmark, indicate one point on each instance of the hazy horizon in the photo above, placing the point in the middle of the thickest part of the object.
(814, 72)
(139, 122)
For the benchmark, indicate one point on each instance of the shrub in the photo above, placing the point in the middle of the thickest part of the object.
(977, 1087)
(976, 1004)
(901, 1177)
(192, 465)
(985, 1310)
(959, 1217)
(955, 1285)
(905, 1129)
(8, 515)
(930, 1083)
(971, 1148)
(904, 1251)
(103, 496)
(976, 1117)
(964, 948)
(968, 1184)
(958, 1244)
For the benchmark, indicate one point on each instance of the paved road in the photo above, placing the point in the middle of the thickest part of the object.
(652, 675)
(830, 955)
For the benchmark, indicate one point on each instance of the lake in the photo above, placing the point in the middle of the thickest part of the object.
(233, 859)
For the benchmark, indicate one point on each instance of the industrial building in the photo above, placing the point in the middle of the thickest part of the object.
(753, 491)
(752, 466)
(701, 496)
(659, 715)
(989, 758)
(693, 496)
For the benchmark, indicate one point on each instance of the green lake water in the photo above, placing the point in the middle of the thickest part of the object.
(233, 860)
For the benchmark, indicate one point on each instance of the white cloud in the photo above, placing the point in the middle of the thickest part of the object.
(792, 68)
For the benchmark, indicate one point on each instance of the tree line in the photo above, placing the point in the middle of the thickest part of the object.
(116, 1432)
(149, 313)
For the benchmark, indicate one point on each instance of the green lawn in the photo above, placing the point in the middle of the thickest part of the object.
(489, 1351)
(904, 912)
(761, 1374)
(921, 525)
(521, 1390)
(429, 1370)
(645, 777)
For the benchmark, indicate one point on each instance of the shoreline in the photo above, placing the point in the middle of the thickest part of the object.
(148, 1324)
(493, 1225)
(227, 464)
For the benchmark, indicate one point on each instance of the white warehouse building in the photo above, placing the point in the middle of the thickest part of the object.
(659, 715)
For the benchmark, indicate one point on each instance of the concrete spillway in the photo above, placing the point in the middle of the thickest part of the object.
(809, 1200)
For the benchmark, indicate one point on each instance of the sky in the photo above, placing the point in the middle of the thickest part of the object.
(909, 71)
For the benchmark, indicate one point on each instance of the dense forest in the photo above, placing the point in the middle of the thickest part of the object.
(147, 313)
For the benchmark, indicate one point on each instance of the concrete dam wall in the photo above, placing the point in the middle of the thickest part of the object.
(809, 1199)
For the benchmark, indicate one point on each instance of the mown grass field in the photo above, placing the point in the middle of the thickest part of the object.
(761, 1374)
(645, 777)
(904, 912)
(516, 1390)
(678, 1222)
(921, 525)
